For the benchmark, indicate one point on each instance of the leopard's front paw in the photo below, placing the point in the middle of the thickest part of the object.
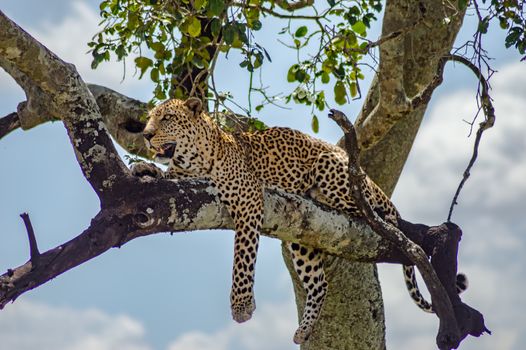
(141, 169)
(243, 308)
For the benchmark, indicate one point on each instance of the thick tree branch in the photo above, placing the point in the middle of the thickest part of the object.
(153, 206)
(422, 48)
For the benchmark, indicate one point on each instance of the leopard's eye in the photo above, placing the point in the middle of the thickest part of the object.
(166, 116)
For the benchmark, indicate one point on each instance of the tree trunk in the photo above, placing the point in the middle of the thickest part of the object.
(353, 314)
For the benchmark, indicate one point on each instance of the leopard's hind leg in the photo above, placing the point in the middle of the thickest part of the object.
(308, 264)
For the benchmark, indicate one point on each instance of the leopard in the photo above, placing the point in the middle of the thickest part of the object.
(241, 165)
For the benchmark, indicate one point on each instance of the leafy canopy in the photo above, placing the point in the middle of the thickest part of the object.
(177, 43)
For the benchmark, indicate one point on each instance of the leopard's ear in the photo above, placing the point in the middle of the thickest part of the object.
(195, 104)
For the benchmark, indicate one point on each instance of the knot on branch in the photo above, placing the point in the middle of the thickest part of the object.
(144, 219)
(34, 111)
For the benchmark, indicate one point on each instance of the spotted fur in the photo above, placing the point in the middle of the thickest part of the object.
(241, 166)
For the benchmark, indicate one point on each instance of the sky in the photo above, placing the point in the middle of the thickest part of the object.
(171, 292)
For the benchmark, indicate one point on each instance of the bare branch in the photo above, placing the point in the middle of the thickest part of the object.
(33, 247)
(9, 123)
(489, 113)
(449, 335)
(292, 6)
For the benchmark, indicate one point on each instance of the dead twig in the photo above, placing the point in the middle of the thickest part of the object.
(33, 247)
(489, 112)
(9, 123)
(449, 335)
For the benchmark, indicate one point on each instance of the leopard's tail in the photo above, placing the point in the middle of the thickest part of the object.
(412, 287)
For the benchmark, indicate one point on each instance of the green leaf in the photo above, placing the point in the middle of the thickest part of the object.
(267, 55)
(301, 32)
(215, 27)
(229, 33)
(257, 124)
(143, 63)
(256, 25)
(259, 60)
(339, 93)
(199, 4)
(301, 94)
(216, 7)
(194, 27)
(300, 75)
(483, 25)
(353, 89)
(103, 5)
(291, 74)
(198, 62)
(339, 72)
(315, 124)
(320, 101)
(462, 4)
(297, 43)
(325, 78)
(159, 93)
(154, 75)
(359, 27)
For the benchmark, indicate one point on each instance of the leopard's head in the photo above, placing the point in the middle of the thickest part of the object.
(172, 130)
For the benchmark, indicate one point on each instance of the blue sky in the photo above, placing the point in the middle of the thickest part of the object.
(171, 292)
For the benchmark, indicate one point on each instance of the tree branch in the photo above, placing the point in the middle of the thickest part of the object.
(449, 335)
(489, 114)
(422, 48)
(9, 123)
(33, 247)
(293, 6)
(154, 206)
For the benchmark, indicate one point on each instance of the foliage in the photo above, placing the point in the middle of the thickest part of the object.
(178, 42)
(174, 37)
(510, 14)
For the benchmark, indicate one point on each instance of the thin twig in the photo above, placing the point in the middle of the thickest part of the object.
(449, 335)
(489, 113)
(33, 247)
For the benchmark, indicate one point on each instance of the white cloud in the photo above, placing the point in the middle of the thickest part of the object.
(271, 327)
(28, 325)
(442, 150)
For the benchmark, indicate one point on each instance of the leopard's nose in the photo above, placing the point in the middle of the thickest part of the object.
(147, 135)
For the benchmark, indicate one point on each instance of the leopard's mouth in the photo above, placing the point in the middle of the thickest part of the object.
(167, 151)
